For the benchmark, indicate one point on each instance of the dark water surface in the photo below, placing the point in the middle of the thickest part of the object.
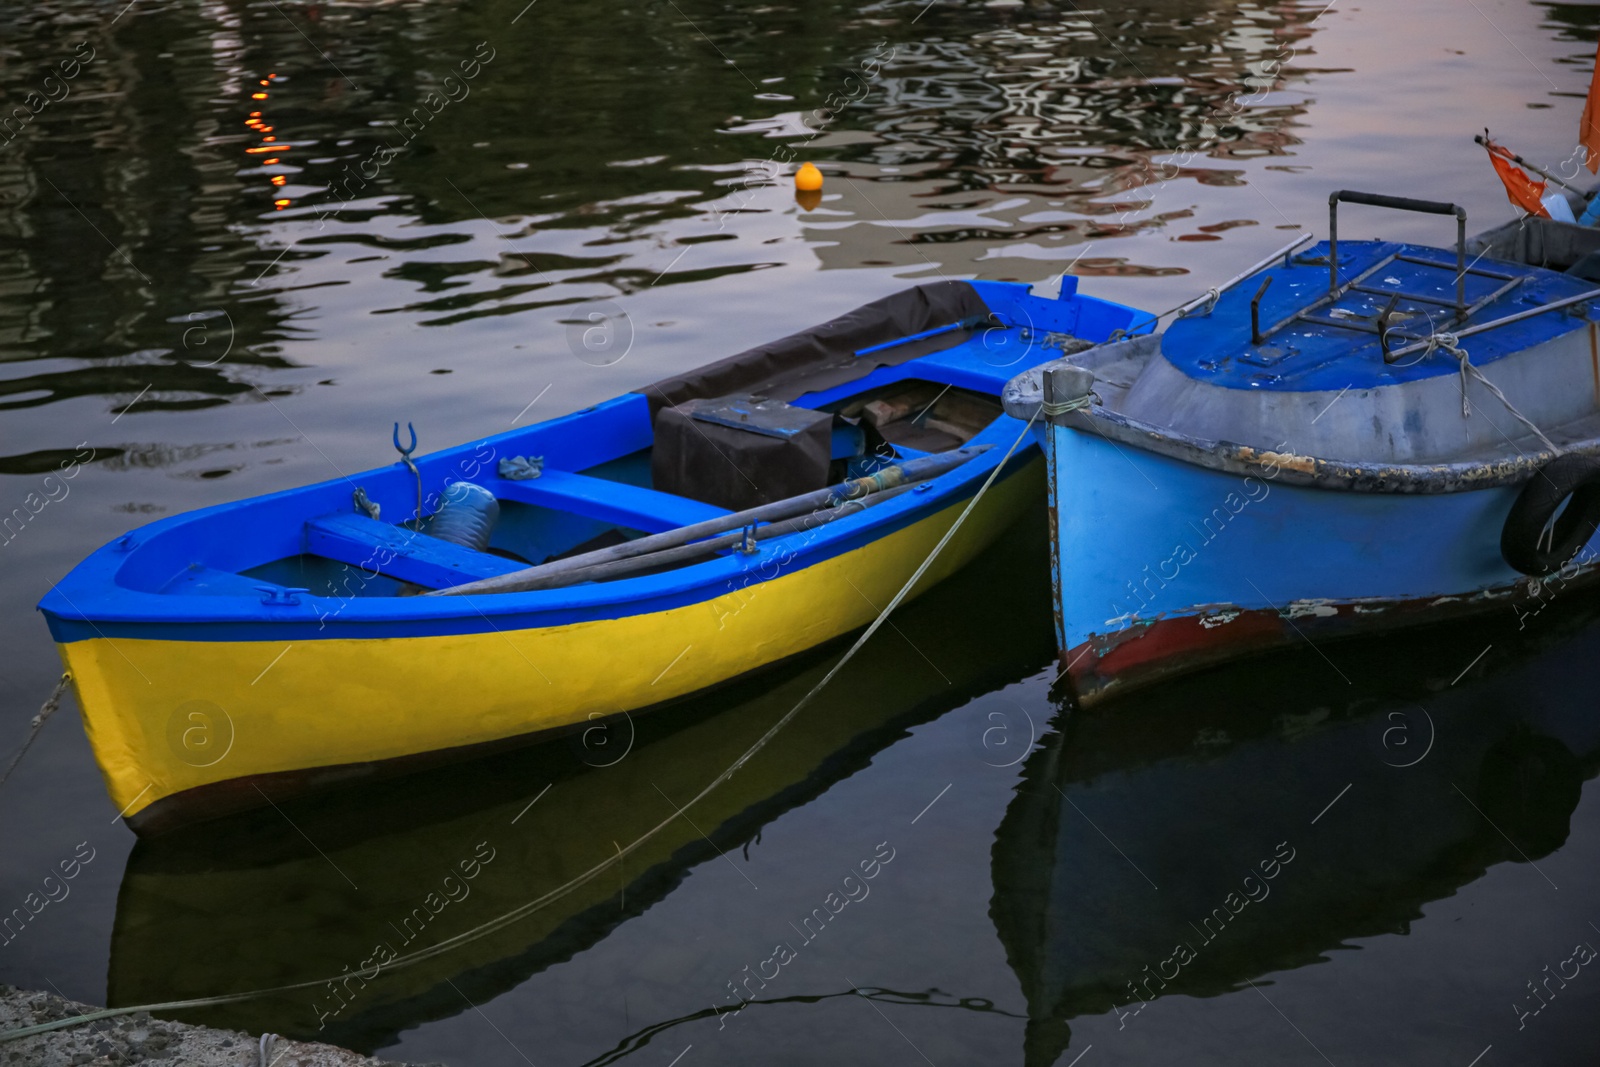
(238, 240)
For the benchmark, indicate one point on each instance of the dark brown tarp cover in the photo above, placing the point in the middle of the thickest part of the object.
(738, 467)
(824, 356)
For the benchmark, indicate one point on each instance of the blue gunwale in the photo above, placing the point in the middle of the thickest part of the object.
(118, 590)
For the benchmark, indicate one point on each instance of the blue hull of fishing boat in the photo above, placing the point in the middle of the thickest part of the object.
(1206, 565)
(1320, 451)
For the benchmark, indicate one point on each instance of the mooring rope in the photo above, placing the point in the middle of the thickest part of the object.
(1050, 411)
(524, 910)
(1450, 343)
(1210, 296)
(47, 709)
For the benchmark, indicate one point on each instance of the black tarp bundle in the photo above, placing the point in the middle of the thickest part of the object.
(825, 356)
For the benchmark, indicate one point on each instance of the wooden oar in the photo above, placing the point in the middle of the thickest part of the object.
(695, 550)
(537, 577)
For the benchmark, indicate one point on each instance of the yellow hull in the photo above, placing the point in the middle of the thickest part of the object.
(165, 717)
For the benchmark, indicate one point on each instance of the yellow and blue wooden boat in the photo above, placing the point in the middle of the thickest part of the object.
(273, 643)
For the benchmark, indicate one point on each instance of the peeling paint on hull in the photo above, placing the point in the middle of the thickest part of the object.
(1163, 567)
(1150, 651)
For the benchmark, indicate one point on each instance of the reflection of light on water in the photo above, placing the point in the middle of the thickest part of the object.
(269, 143)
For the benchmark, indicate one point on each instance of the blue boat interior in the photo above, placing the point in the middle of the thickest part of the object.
(1288, 329)
(881, 392)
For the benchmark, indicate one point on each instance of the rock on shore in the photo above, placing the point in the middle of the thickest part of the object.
(138, 1038)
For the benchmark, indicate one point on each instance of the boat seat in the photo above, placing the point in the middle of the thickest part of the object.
(626, 505)
(416, 558)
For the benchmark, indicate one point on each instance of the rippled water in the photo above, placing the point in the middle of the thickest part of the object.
(239, 240)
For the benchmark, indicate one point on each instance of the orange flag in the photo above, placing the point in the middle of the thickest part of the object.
(1521, 189)
(1589, 125)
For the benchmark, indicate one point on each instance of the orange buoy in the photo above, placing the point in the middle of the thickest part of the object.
(808, 178)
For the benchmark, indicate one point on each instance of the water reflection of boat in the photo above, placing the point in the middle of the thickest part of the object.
(197, 902)
(1362, 802)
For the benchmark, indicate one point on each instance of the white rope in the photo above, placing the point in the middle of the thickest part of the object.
(1212, 296)
(1050, 411)
(1450, 343)
(47, 709)
(528, 908)
(1065, 341)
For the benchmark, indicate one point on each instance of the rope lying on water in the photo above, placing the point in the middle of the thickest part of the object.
(47, 709)
(528, 908)
(1450, 343)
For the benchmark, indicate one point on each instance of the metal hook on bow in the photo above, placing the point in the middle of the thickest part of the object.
(405, 457)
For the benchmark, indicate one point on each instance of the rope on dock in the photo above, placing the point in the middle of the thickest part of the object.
(47, 709)
(524, 910)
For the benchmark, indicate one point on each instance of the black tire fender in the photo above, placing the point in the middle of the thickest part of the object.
(1527, 541)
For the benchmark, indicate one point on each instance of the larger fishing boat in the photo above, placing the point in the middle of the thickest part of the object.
(1364, 434)
(542, 579)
